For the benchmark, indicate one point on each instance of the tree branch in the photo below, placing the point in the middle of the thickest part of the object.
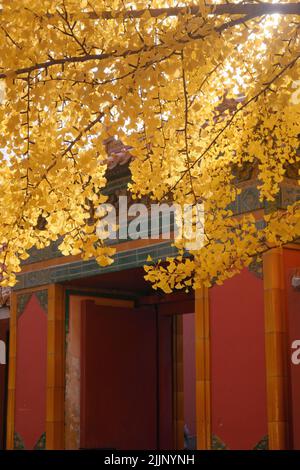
(249, 9)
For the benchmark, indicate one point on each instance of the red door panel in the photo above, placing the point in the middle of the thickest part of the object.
(4, 328)
(119, 378)
(165, 383)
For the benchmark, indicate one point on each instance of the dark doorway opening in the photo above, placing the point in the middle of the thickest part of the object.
(136, 373)
(126, 378)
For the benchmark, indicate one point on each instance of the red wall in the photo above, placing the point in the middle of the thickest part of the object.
(30, 408)
(4, 326)
(239, 415)
(291, 266)
(165, 382)
(189, 371)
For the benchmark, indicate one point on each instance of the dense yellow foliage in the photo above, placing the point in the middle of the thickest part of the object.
(72, 76)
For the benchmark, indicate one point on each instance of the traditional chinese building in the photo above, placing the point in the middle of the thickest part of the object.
(97, 359)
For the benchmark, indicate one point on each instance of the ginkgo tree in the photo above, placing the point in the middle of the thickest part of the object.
(195, 89)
